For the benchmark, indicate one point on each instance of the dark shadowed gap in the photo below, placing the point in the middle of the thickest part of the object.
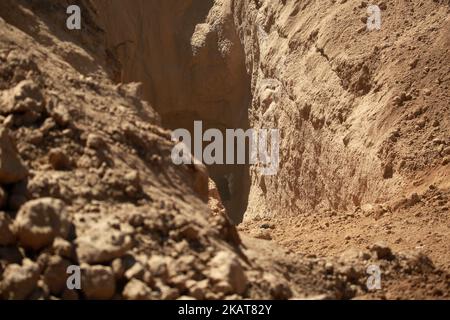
(189, 72)
(233, 180)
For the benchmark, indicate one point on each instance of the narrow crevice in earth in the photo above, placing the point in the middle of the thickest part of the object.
(193, 68)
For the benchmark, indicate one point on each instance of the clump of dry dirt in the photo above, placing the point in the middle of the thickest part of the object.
(86, 177)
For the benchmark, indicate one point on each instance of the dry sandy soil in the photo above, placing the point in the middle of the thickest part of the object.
(86, 176)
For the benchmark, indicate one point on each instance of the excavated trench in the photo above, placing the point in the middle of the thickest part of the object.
(331, 192)
(191, 70)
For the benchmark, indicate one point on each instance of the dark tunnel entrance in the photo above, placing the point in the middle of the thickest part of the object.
(232, 180)
(192, 68)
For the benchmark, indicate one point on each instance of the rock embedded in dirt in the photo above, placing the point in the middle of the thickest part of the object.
(136, 271)
(190, 232)
(413, 200)
(379, 211)
(388, 170)
(8, 122)
(382, 251)
(351, 273)
(43, 259)
(25, 96)
(198, 289)
(158, 266)
(11, 167)
(94, 141)
(267, 226)
(166, 292)
(132, 178)
(19, 281)
(6, 234)
(350, 255)
(55, 274)
(59, 160)
(226, 268)
(60, 115)
(40, 221)
(264, 234)
(279, 288)
(97, 282)
(102, 244)
(136, 290)
(200, 183)
(48, 125)
(446, 160)
(63, 248)
(180, 281)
